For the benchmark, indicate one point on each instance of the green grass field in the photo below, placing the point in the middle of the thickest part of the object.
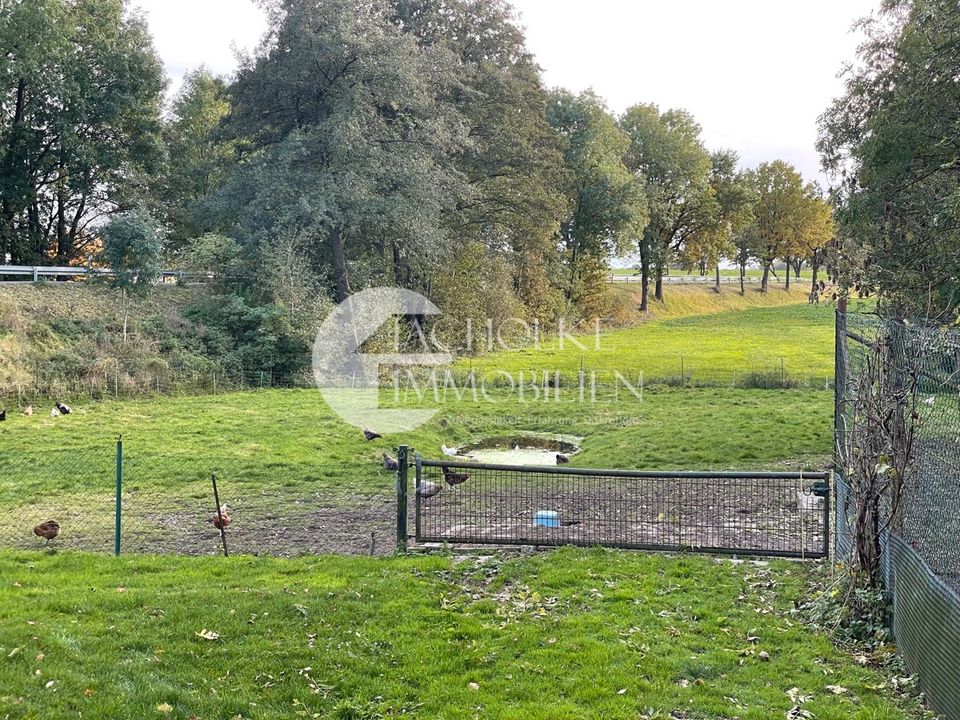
(713, 348)
(284, 447)
(569, 634)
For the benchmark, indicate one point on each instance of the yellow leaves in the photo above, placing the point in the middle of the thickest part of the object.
(165, 708)
(16, 651)
(208, 634)
(836, 689)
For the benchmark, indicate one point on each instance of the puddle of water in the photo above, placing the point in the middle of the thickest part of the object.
(521, 450)
(520, 456)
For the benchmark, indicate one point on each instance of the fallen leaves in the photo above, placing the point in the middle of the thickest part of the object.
(208, 634)
(165, 708)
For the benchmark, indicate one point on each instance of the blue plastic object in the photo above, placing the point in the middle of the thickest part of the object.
(546, 518)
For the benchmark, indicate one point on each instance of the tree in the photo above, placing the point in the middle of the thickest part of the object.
(788, 215)
(344, 133)
(198, 158)
(133, 250)
(729, 212)
(667, 152)
(607, 201)
(79, 121)
(514, 163)
(892, 143)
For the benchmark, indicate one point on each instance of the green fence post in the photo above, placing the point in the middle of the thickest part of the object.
(116, 526)
(402, 462)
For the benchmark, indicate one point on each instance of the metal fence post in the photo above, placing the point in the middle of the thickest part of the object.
(119, 501)
(402, 462)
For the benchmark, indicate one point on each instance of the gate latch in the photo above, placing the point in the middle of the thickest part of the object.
(821, 489)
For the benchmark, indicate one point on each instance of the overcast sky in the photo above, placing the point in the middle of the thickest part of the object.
(754, 73)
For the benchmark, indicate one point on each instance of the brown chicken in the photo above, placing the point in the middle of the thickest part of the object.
(224, 515)
(48, 530)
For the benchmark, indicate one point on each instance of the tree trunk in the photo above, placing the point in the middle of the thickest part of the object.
(341, 274)
(126, 314)
(397, 263)
(788, 275)
(644, 280)
(573, 274)
(765, 283)
(718, 276)
(743, 275)
(814, 270)
(658, 287)
(8, 210)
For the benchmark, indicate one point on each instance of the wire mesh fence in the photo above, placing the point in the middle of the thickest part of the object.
(920, 521)
(167, 506)
(775, 514)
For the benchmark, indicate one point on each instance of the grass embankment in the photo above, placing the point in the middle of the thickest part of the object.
(570, 634)
(48, 329)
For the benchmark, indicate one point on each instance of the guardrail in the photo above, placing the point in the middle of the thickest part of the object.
(36, 272)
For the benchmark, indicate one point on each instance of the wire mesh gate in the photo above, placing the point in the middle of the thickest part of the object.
(782, 514)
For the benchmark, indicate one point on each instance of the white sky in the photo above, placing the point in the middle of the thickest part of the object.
(755, 73)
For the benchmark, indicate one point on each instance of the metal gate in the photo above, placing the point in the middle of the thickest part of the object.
(782, 514)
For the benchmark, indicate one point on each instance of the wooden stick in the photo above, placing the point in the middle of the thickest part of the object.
(223, 530)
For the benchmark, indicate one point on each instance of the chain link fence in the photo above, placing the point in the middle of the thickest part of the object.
(117, 498)
(920, 551)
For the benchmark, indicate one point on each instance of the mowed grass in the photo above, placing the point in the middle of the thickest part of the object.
(795, 340)
(278, 438)
(568, 634)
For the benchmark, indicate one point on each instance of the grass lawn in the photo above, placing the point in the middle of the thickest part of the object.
(286, 449)
(716, 347)
(569, 634)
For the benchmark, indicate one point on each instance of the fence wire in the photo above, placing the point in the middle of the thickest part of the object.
(776, 514)
(920, 560)
(167, 504)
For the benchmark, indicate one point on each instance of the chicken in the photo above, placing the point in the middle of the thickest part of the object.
(390, 464)
(453, 479)
(428, 489)
(63, 409)
(369, 435)
(449, 451)
(28, 411)
(49, 530)
(223, 515)
(562, 459)
(3, 415)
(54, 413)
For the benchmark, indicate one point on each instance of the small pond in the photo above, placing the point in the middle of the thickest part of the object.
(521, 450)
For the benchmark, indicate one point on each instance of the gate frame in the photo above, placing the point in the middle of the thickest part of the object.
(822, 488)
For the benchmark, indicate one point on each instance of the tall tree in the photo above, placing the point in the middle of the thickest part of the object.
(667, 152)
(787, 215)
(198, 158)
(80, 96)
(607, 200)
(345, 134)
(893, 143)
(728, 212)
